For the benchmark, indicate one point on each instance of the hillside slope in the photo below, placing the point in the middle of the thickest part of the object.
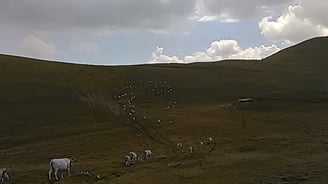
(311, 52)
(98, 114)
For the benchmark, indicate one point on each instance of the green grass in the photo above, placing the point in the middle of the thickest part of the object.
(50, 109)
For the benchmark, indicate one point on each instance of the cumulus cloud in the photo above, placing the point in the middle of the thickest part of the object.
(200, 57)
(158, 56)
(32, 46)
(299, 22)
(255, 52)
(218, 50)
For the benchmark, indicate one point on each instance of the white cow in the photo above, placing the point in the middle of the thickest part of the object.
(127, 161)
(134, 157)
(60, 165)
(148, 154)
(4, 175)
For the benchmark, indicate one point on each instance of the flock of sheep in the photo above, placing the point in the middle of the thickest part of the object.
(133, 157)
(210, 143)
(126, 99)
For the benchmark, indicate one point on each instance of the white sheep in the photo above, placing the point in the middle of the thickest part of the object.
(190, 150)
(179, 145)
(148, 154)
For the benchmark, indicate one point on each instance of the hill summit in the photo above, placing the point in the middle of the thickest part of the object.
(310, 51)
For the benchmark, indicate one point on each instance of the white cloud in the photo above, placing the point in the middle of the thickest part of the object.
(87, 48)
(223, 16)
(158, 56)
(299, 22)
(218, 50)
(256, 52)
(200, 57)
(223, 48)
(32, 46)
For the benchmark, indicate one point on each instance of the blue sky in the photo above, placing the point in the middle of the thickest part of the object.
(110, 32)
(139, 45)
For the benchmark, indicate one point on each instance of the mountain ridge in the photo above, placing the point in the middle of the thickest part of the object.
(311, 48)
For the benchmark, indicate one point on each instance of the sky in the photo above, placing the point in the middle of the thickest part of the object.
(124, 32)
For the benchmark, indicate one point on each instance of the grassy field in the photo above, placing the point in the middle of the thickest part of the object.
(51, 110)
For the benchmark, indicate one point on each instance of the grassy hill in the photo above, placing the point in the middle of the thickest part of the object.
(50, 109)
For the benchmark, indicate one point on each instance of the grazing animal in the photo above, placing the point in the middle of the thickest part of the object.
(134, 157)
(127, 161)
(4, 175)
(179, 145)
(201, 143)
(148, 154)
(211, 143)
(60, 165)
(210, 140)
(190, 149)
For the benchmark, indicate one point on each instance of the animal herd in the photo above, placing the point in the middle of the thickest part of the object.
(210, 143)
(126, 98)
(132, 158)
(60, 166)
